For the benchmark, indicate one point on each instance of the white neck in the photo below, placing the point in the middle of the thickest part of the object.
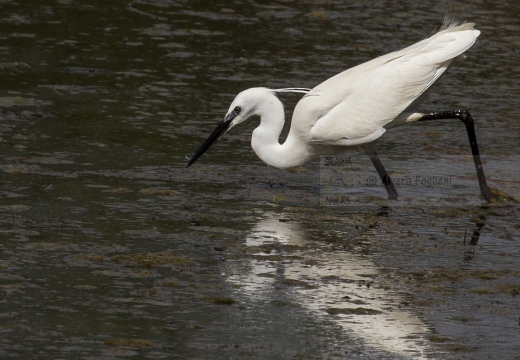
(265, 140)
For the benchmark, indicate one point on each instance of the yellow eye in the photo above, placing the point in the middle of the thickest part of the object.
(237, 109)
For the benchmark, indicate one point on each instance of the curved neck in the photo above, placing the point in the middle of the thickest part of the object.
(265, 140)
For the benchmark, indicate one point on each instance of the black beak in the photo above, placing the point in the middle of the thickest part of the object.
(218, 132)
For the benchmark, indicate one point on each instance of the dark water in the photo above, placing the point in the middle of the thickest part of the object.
(110, 248)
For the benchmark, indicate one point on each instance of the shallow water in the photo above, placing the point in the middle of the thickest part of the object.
(111, 248)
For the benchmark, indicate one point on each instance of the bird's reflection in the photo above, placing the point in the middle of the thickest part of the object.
(330, 284)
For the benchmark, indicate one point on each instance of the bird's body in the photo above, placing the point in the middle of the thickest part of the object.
(354, 107)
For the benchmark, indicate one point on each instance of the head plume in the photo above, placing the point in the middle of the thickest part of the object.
(292, 90)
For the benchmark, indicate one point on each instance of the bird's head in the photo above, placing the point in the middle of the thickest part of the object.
(246, 104)
(243, 107)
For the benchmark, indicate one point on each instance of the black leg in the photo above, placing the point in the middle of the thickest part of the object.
(385, 178)
(466, 118)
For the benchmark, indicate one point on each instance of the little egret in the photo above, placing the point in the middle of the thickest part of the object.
(355, 107)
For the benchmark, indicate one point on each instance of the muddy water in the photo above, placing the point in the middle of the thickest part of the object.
(110, 248)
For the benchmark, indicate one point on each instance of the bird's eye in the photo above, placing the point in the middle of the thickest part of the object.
(237, 109)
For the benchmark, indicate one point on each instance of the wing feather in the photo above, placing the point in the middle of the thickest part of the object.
(357, 104)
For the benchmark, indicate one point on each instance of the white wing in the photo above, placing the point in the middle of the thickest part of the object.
(354, 106)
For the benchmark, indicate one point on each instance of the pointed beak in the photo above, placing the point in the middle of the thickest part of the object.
(218, 132)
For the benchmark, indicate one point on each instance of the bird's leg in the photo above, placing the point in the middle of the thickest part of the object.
(370, 150)
(466, 118)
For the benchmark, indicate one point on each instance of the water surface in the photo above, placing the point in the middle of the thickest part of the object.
(112, 249)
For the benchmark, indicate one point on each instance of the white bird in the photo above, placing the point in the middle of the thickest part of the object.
(356, 106)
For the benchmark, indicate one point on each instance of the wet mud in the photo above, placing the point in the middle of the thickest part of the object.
(111, 248)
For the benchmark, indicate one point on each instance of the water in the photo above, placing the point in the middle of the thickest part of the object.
(112, 249)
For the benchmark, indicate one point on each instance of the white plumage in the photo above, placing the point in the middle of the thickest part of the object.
(354, 107)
